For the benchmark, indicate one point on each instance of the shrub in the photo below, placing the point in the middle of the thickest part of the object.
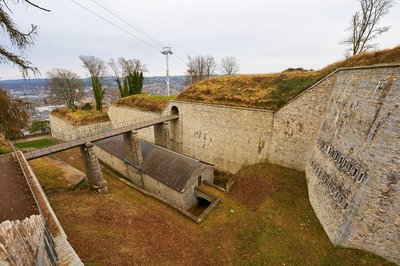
(87, 106)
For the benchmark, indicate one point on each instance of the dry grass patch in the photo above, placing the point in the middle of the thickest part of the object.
(272, 91)
(277, 227)
(81, 117)
(145, 102)
(269, 91)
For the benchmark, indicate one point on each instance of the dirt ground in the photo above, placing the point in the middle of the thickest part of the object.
(266, 220)
(16, 201)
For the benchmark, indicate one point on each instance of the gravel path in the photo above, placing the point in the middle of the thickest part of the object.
(16, 201)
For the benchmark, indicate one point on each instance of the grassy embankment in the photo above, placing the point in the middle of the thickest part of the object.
(267, 219)
(4, 149)
(271, 91)
(81, 117)
(26, 145)
(48, 173)
(145, 102)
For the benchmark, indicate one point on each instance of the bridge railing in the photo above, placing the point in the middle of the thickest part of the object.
(115, 126)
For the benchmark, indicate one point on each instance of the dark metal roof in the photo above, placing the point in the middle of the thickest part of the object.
(170, 168)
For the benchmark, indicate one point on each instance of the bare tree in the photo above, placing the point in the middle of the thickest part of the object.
(210, 66)
(97, 69)
(229, 65)
(20, 40)
(117, 75)
(364, 25)
(200, 67)
(131, 65)
(65, 86)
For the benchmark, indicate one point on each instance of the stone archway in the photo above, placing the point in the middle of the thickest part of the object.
(174, 110)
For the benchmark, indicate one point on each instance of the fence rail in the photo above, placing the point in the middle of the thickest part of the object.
(77, 139)
(47, 237)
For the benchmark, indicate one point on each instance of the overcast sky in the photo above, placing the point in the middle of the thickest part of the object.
(264, 35)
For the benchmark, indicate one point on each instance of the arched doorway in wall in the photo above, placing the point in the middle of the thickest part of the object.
(176, 127)
(174, 110)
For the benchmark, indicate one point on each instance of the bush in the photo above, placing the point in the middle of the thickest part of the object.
(39, 126)
(87, 106)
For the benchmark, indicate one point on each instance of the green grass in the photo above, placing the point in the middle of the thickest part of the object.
(47, 173)
(40, 143)
(4, 149)
(285, 230)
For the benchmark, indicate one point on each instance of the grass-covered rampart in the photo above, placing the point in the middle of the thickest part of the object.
(271, 91)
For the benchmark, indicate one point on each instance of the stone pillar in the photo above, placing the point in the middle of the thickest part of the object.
(132, 147)
(93, 170)
(161, 135)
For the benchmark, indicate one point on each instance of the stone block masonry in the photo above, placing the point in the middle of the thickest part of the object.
(162, 135)
(63, 130)
(343, 131)
(228, 137)
(132, 147)
(296, 125)
(120, 114)
(20, 240)
(359, 149)
(93, 170)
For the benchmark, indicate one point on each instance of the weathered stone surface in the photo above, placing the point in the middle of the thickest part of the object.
(358, 153)
(228, 137)
(161, 135)
(20, 240)
(121, 114)
(344, 132)
(63, 130)
(132, 147)
(297, 124)
(93, 170)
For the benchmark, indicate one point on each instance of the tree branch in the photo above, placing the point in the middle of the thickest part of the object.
(37, 6)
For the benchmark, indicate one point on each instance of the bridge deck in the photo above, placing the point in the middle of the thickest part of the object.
(99, 136)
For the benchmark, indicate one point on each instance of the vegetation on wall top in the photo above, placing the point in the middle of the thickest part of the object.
(81, 117)
(145, 102)
(271, 91)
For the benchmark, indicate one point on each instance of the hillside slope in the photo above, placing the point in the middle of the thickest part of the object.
(271, 91)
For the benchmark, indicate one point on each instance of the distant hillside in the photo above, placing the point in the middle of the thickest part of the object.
(21, 84)
(271, 91)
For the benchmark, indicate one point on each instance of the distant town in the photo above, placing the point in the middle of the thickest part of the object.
(37, 92)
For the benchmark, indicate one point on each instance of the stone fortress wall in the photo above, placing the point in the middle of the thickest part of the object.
(231, 137)
(119, 114)
(63, 130)
(344, 132)
(353, 174)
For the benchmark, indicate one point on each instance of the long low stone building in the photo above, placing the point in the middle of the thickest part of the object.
(167, 174)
